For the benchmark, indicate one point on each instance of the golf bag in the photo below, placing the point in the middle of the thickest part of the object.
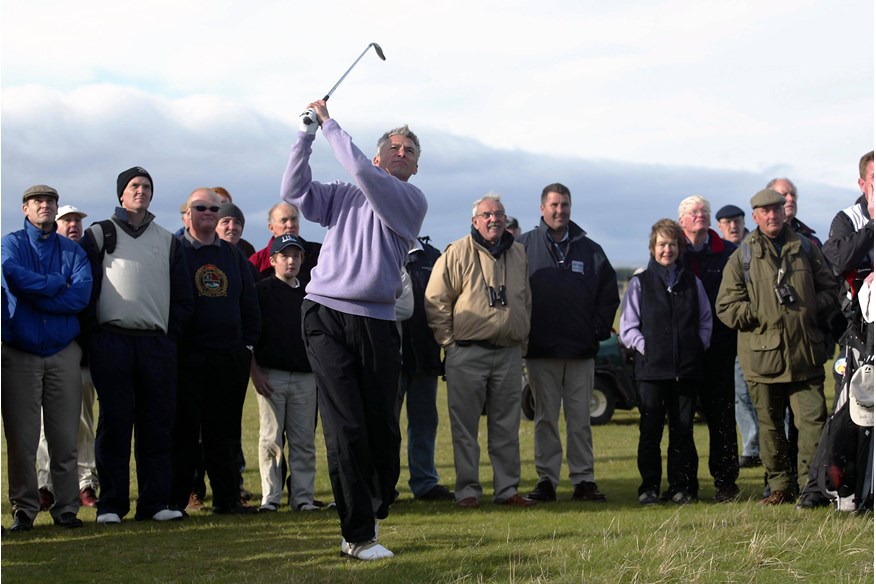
(842, 470)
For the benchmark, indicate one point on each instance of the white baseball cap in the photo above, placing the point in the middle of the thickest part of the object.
(67, 210)
(861, 395)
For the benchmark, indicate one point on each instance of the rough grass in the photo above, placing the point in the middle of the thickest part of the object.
(436, 542)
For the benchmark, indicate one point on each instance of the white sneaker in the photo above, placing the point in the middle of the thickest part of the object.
(109, 518)
(308, 507)
(167, 515)
(365, 550)
(845, 504)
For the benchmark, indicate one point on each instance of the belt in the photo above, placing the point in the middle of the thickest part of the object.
(483, 344)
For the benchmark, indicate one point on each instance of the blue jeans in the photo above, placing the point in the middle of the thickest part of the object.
(422, 391)
(746, 417)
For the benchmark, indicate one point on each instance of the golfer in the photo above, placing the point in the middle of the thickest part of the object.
(348, 313)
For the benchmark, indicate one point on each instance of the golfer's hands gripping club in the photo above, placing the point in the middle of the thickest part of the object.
(313, 117)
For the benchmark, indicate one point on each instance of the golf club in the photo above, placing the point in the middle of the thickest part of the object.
(311, 118)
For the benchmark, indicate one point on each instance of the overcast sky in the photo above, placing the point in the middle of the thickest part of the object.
(632, 105)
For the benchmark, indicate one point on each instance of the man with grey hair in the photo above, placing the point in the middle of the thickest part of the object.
(283, 219)
(775, 289)
(706, 255)
(478, 304)
(348, 315)
(788, 190)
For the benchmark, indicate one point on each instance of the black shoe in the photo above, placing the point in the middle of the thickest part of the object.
(812, 501)
(544, 491)
(666, 496)
(649, 498)
(438, 493)
(587, 491)
(235, 510)
(21, 522)
(749, 461)
(68, 520)
(682, 498)
(727, 493)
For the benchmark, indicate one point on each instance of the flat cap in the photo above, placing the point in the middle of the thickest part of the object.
(765, 198)
(729, 211)
(39, 191)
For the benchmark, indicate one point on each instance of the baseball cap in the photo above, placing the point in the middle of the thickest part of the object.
(729, 211)
(285, 241)
(39, 190)
(69, 210)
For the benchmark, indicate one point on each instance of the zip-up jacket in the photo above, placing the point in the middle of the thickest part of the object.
(574, 298)
(46, 283)
(778, 343)
(458, 301)
(708, 264)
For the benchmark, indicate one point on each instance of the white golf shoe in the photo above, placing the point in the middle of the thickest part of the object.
(365, 550)
(107, 518)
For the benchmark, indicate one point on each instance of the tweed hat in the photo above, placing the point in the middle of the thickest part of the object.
(765, 198)
(39, 190)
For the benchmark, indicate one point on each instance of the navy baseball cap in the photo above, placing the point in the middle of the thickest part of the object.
(285, 241)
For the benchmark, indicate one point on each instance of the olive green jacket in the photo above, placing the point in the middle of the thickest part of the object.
(777, 343)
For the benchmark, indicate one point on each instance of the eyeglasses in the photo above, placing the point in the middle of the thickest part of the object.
(498, 215)
(202, 208)
(698, 213)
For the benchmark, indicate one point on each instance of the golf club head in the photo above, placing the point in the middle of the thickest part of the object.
(379, 51)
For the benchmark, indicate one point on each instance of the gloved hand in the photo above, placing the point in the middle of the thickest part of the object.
(308, 122)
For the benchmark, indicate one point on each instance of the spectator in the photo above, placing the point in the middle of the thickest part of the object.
(284, 219)
(46, 283)
(230, 228)
(731, 223)
(705, 255)
(69, 221)
(666, 318)
(215, 354)
(772, 291)
(788, 190)
(284, 383)
(135, 317)
(569, 270)
(421, 366)
(349, 313)
(478, 305)
(512, 227)
(849, 248)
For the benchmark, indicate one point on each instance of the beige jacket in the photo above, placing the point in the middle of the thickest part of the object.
(458, 302)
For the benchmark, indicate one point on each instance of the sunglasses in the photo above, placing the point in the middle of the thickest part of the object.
(202, 208)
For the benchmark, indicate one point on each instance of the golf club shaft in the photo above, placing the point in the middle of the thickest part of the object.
(379, 54)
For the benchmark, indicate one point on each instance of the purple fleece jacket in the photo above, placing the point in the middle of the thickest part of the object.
(371, 226)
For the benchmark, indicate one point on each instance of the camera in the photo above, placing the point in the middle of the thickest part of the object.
(497, 296)
(785, 294)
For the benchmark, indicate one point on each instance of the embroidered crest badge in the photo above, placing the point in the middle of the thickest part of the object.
(211, 281)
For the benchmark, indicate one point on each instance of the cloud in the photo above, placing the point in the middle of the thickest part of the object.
(79, 141)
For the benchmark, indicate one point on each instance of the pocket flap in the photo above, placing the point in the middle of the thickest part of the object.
(768, 341)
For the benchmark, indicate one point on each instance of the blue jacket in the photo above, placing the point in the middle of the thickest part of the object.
(46, 283)
(573, 302)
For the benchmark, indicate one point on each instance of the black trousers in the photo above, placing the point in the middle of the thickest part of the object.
(718, 401)
(356, 362)
(210, 395)
(657, 401)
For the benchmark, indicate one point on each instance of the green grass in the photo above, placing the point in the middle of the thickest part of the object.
(436, 542)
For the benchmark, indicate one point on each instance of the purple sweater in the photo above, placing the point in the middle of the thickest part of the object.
(371, 226)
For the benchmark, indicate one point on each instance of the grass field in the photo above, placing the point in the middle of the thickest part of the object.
(437, 542)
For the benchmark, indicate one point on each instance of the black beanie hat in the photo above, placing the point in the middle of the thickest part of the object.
(128, 175)
(231, 210)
